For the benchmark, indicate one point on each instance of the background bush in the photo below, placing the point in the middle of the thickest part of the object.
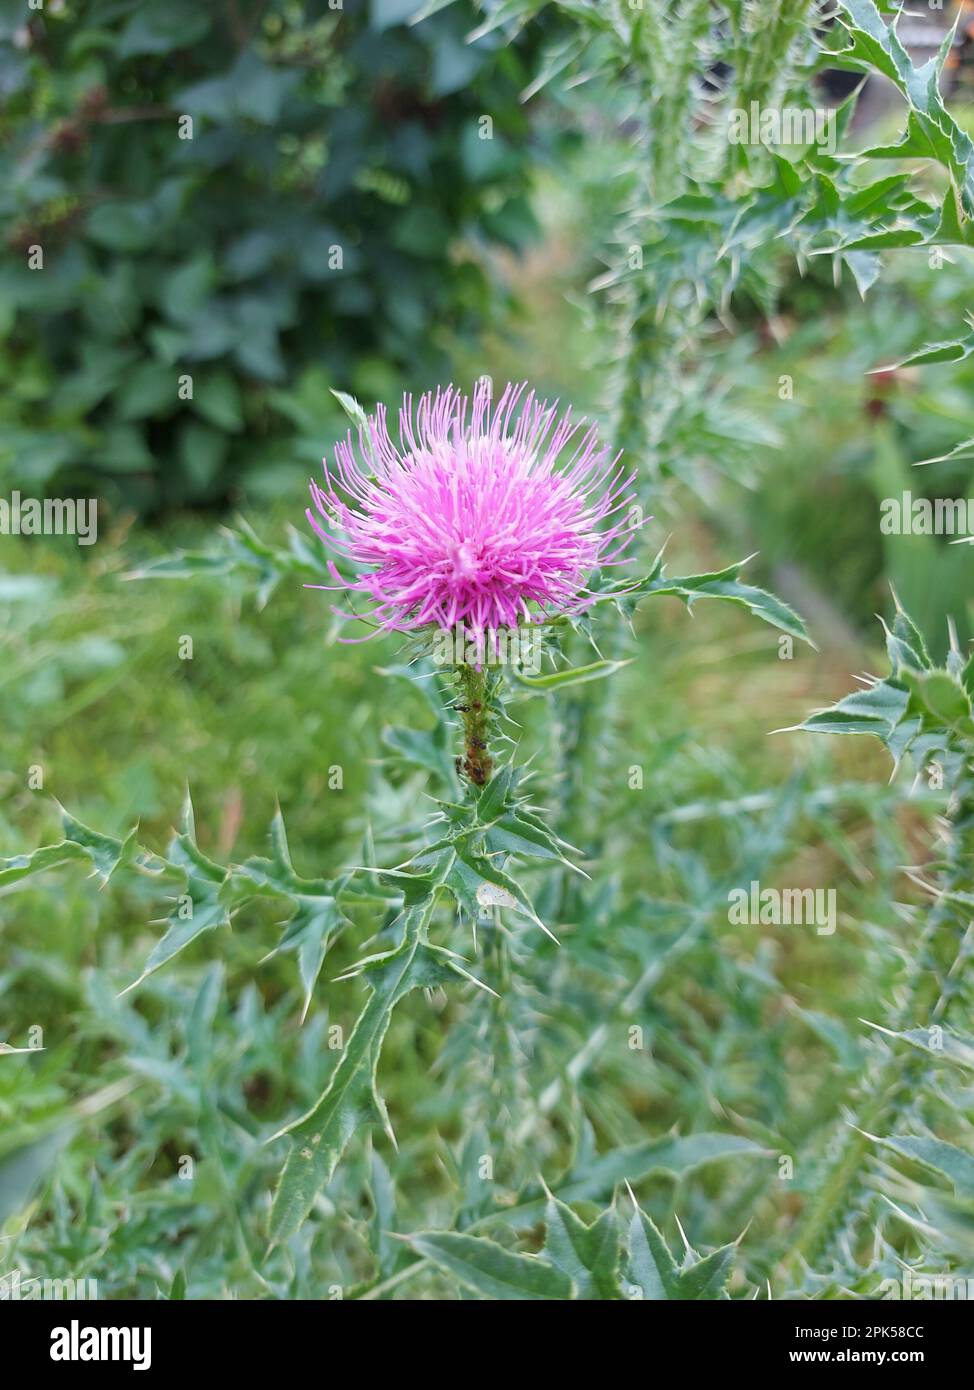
(323, 227)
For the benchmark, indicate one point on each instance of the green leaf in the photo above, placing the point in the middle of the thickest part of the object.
(163, 26)
(105, 854)
(20, 866)
(426, 749)
(653, 1270)
(957, 350)
(315, 918)
(199, 908)
(250, 90)
(147, 389)
(217, 398)
(575, 675)
(510, 827)
(522, 834)
(910, 650)
(25, 1162)
(430, 7)
(477, 885)
(384, 1220)
(952, 1163)
(514, 13)
(128, 227)
(920, 710)
(242, 552)
(354, 411)
(705, 1278)
(491, 1271)
(943, 701)
(935, 1041)
(351, 1098)
(595, 1178)
(875, 710)
(722, 584)
(24, 1167)
(964, 450)
(494, 796)
(588, 1255)
(931, 131)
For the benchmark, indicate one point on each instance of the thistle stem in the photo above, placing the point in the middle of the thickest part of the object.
(474, 709)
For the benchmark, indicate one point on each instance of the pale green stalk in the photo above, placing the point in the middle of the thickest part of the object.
(894, 1077)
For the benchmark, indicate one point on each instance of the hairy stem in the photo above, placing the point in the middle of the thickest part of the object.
(474, 710)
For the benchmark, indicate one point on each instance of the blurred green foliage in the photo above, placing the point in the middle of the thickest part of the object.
(851, 434)
(269, 199)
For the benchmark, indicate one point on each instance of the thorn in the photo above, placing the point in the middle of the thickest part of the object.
(682, 1232)
(890, 1033)
(459, 970)
(128, 988)
(952, 635)
(744, 1232)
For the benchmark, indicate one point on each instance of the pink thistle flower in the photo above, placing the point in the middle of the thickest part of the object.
(472, 518)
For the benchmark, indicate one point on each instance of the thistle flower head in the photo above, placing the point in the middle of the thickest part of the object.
(482, 514)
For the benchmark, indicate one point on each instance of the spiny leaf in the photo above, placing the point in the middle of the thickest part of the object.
(955, 350)
(351, 1097)
(876, 710)
(918, 709)
(354, 411)
(943, 701)
(935, 1041)
(210, 893)
(494, 796)
(199, 908)
(573, 675)
(931, 131)
(588, 1255)
(104, 853)
(721, 584)
(515, 13)
(654, 1271)
(490, 1270)
(21, 866)
(595, 1177)
(315, 917)
(430, 7)
(241, 551)
(951, 1162)
(963, 450)
(705, 1278)
(509, 826)
(477, 885)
